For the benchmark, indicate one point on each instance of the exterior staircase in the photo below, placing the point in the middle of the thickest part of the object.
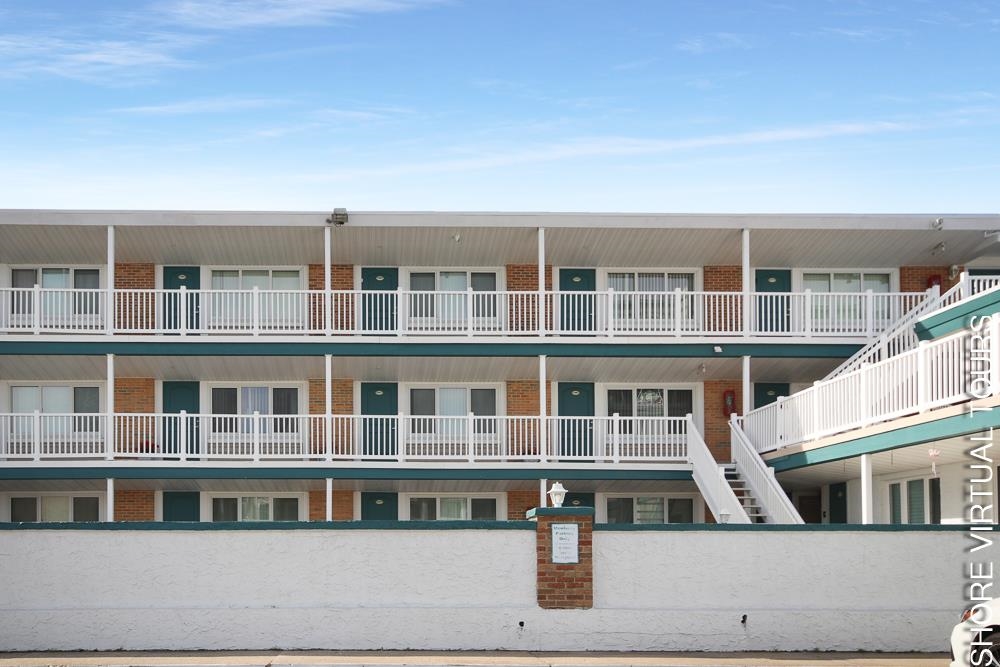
(743, 493)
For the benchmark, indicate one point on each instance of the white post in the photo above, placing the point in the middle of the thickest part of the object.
(611, 312)
(541, 281)
(747, 291)
(400, 438)
(328, 406)
(182, 305)
(255, 310)
(677, 311)
(616, 438)
(469, 310)
(922, 379)
(36, 309)
(866, 489)
(329, 488)
(863, 393)
(542, 492)
(542, 412)
(255, 435)
(182, 440)
(109, 306)
(109, 408)
(109, 502)
(470, 430)
(327, 286)
(807, 313)
(869, 313)
(747, 402)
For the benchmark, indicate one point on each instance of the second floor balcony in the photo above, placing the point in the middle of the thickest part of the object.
(470, 313)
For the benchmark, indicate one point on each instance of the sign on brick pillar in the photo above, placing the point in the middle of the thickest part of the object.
(564, 551)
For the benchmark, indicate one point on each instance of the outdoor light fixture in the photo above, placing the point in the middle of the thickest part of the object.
(938, 224)
(724, 516)
(717, 349)
(938, 249)
(338, 217)
(557, 494)
(934, 454)
(953, 272)
(703, 369)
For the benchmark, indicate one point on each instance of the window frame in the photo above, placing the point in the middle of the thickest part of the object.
(207, 499)
(798, 276)
(500, 407)
(698, 508)
(904, 498)
(6, 497)
(601, 396)
(207, 388)
(499, 497)
(206, 273)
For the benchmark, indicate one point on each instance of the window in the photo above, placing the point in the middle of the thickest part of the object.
(263, 279)
(451, 306)
(650, 510)
(453, 508)
(915, 501)
(82, 402)
(645, 295)
(57, 304)
(282, 402)
(255, 508)
(648, 402)
(29, 509)
(846, 309)
(458, 402)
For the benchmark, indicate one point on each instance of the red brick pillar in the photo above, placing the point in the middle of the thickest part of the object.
(560, 584)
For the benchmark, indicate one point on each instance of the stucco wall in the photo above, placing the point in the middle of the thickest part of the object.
(467, 589)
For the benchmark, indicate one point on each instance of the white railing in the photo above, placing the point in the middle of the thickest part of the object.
(933, 374)
(977, 284)
(38, 310)
(759, 478)
(461, 313)
(711, 480)
(256, 437)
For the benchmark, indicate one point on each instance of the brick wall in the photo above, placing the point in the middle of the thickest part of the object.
(135, 395)
(565, 586)
(723, 313)
(520, 501)
(343, 505)
(343, 404)
(341, 278)
(522, 314)
(717, 435)
(134, 505)
(522, 401)
(135, 310)
(914, 278)
(722, 278)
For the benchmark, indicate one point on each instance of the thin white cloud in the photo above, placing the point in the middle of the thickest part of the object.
(235, 14)
(203, 106)
(716, 41)
(596, 147)
(865, 34)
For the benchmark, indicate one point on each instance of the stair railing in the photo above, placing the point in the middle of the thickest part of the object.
(759, 477)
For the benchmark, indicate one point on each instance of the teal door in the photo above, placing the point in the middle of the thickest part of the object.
(376, 506)
(577, 311)
(765, 393)
(578, 500)
(178, 396)
(181, 506)
(774, 305)
(378, 310)
(576, 436)
(175, 277)
(378, 434)
(838, 503)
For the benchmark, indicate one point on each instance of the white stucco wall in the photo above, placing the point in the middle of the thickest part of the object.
(473, 589)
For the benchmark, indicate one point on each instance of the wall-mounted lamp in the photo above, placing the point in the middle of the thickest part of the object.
(557, 494)
(457, 238)
(724, 516)
(338, 217)
(937, 224)
(953, 272)
(703, 369)
(717, 349)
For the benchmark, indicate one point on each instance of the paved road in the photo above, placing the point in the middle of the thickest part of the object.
(465, 659)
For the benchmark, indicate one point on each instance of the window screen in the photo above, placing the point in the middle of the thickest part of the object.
(915, 501)
(423, 509)
(286, 509)
(680, 510)
(23, 510)
(620, 510)
(86, 509)
(895, 504)
(680, 402)
(224, 509)
(484, 509)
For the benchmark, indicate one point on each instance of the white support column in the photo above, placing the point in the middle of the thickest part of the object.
(109, 408)
(747, 287)
(109, 301)
(543, 493)
(328, 406)
(541, 281)
(867, 512)
(542, 412)
(747, 396)
(329, 499)
(327, 286)
(109, 503)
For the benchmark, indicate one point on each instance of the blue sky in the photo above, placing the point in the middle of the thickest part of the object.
(626, 105)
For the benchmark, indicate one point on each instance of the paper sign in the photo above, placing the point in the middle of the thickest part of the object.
(565, 543)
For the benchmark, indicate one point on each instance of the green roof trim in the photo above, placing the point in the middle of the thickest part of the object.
(559, 511)
(790, 347)
(958, 316)
(947, 427)
(784, 527)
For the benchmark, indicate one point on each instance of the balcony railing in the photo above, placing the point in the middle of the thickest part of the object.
(326, 438)
(470, 313)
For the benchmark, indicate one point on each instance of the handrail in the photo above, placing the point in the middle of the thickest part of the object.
(711, 480)
(760, 478)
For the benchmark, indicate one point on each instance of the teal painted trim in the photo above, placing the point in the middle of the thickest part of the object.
(105, 472)
(559, 511)
(278, 525)
(793, 347)
(957, 317)
(949, 427)
(780, 528)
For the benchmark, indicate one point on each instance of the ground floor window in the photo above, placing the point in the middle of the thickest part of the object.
(915, 501)
(650, 509)
(31, 509)
(453, 508)
(255, 508)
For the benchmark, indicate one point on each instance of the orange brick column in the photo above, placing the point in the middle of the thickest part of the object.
(524, 278)
(134, 505)
(717, 434)
(564, 585)
(723, 313)
(914, 278)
